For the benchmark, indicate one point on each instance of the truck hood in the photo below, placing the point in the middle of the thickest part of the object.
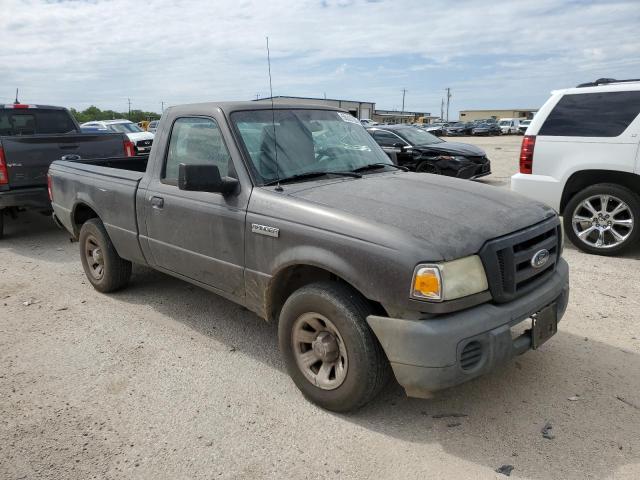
(454, 217)
(452, 148)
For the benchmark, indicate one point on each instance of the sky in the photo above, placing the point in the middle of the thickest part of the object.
(492, 54)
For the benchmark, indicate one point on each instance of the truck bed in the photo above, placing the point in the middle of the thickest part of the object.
(106, 186)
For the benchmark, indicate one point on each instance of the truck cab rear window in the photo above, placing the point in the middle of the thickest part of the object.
(605, 114)
(21, 122)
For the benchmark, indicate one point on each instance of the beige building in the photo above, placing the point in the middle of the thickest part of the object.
(395, 116)
(361, 110)
(470, 115)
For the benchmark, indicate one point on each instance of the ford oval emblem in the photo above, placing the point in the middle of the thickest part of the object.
(540, 258)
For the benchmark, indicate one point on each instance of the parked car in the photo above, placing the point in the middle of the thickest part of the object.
(141, 139)
(31, 137)
(457, 129)
(580, 156)
(420, 151)
(522, 128)
(366, 268)
(153, 126)
(487, 128)
(437, 129)
(367, 123)
(509, 126)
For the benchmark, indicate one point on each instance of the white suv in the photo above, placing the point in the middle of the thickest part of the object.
(580, 156)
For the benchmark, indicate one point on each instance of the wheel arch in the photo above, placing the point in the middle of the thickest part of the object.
(585, 178)
(81, 212)
(294, 276)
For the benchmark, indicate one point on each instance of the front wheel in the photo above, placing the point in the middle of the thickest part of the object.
(330, 352)
(602, 219)
(104, 268)
(427, 167)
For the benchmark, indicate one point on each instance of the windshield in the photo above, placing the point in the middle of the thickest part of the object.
(417, 136)
(125, 127)
(307, 141)
(505, 123)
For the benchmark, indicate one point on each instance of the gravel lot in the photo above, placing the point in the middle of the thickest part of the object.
(165, 380)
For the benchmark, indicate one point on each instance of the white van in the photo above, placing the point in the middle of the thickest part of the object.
(580, 155)
(509, 125)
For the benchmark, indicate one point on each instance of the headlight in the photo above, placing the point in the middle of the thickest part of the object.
(449, 280)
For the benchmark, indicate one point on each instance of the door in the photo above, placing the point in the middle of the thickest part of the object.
(389, 141)
(199, 235)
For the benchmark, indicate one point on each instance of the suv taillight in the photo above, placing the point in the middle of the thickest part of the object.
(49, 181)
(526, 154)
(4, 174)
(129, 148)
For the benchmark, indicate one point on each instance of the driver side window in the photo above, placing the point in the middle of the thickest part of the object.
(195, 141)
(386, 139)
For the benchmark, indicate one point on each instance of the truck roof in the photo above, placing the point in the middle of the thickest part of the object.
(19, 106)
(248, 105)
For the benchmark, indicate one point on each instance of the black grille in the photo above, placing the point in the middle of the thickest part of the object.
(508, 260)
(471, 355)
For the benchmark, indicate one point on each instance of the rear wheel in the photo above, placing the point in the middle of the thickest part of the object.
(104, 268)
(602, 219)
(330, 352)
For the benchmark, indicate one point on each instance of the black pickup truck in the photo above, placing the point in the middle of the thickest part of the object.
(33, 136)
(297, 214)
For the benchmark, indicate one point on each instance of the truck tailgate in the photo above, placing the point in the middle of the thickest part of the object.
(28, 157)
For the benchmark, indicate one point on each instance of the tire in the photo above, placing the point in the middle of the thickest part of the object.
(427, 167)
(96, 250)
(365, 368)
(614, 226)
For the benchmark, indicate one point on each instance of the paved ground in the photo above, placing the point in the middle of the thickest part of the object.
(165, 380)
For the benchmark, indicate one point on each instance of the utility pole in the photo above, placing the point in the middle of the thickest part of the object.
(442, 109)
(162, 107)
(129, 100)
(16, 102)
(448, 97)
(404, 91)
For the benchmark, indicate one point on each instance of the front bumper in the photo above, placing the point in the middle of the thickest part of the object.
(425, 354)
(36, 197)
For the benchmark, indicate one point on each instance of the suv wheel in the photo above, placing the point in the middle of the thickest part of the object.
(603, 219)
(329, 350)
(104, 268)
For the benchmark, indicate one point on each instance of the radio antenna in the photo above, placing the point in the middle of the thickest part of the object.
(273, 121)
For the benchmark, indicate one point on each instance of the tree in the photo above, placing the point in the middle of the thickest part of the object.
(94, 113)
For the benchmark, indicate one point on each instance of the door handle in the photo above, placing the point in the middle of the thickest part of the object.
(157, 202)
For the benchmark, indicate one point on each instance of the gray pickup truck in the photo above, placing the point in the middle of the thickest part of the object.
(296, 213)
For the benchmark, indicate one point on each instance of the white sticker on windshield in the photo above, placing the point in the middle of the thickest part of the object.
(348, 118)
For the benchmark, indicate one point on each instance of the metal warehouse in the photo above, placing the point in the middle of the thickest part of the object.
(361, 110)
(470, 115)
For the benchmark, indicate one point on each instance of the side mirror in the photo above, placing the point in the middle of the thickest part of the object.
(402, 146)
(204, 178)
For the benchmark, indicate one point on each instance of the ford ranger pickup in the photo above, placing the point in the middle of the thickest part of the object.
(297, 214)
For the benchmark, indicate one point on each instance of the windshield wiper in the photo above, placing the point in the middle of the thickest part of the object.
(377, 166)
(303, 176)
